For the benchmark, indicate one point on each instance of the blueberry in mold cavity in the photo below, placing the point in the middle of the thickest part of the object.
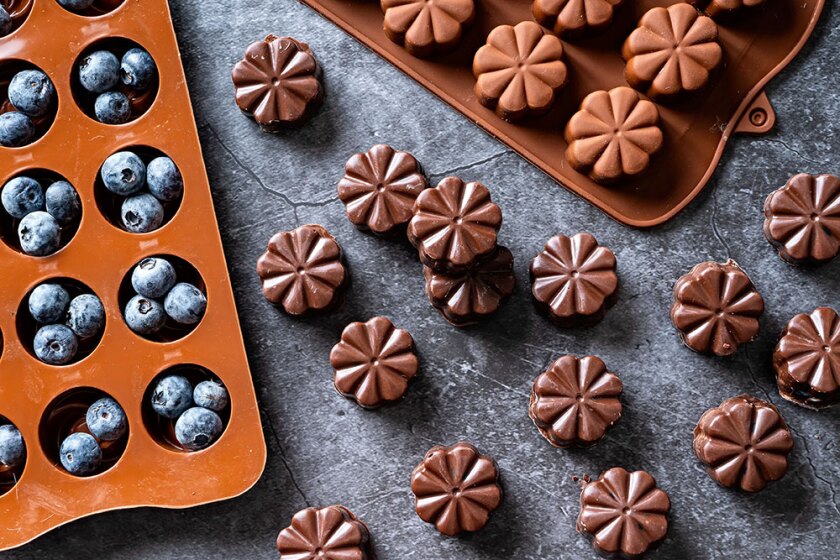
(48, 303)
(212, 395)
(185, 303)
(123, 173)
(172, 396)
(153, 277)
(106, 420)
(86, 316)
(80, 454)
(76, 5)
(141, 213)
(55, 344)
(16, 129)
(137, 69)
(39, 234)
(62, 202)
(112, 107)
(99, 71)
(197, 428)
(5, 22)
(31, 92)
(144, 316)
(164, 179)
(12, 448)
(22, 196)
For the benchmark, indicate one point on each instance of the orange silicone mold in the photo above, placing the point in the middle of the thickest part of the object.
(99, 255)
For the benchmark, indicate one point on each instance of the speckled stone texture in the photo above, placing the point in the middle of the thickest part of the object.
(474, 383)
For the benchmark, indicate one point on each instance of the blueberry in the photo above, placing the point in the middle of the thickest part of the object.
(5, 22)
(80, 454)
(48, 303)
(153, 277)
(163, 179)
(62, 202)
(106, 420)
(31, 92)
(137, 69)
(55, 344)
(99, 71)
(212, 395)
(197, 428)
(12, 448)
(112, 107)
(123, 173)
(141, 213)
(16, 129)
(21, 196)
(76, 5)
(185, 303)
(144, 316)
(172, 396)
(86, 316)
(39, 234)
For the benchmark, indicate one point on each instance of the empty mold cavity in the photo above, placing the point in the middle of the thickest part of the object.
(18, 11)
(41, 124)
(94, 9)
(10, 472)
(162, 429)
(65, 415)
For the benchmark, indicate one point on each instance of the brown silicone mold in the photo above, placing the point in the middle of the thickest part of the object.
(44, 401)
(756, 46)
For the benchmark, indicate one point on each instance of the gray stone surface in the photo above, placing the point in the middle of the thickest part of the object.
(323, 449)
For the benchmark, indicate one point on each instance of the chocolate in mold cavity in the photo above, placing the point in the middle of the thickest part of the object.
(426, 28)
(303, 270)
(574, 18)
(744, 443)
(464, 299)
(716, 308)
(328, 533)
(807, 359)
(278, 83)
(802, 219)
(723, 9)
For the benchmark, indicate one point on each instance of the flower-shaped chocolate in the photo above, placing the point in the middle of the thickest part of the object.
(575, 401)
(379, 188)
(374, 362)
(302, 270)
(573, 280)
(519, 70)
(718, 8)
(624, 513)
(456, 488)
(278, 82)
(744, 443)
(464, 299)
(329, 533)
(802, 219)
(454, 225)
(716, 308)
(427, 27)
(672, 51)
(570, 17)
(807, 359)
(613, 135)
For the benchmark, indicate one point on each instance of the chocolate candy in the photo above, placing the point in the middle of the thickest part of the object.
(519, 70)
(802, 219)
(716, 308)
(807, 359)
(574, 17)
(624, 513)
(720, 8)
(456, 488)
(374, 362)
(575, 401)
(328, 533)
(573, 280)
(278, 83)
(464, 299)
(454, 225)
(672, 51)
(613, 135)
(744, 443)
(425, 28)
(303, 270)
(379, 188)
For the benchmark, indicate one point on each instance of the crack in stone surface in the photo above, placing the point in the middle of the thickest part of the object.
(282, 456)
(713, 222)
(834, 502)
(469, 166)
(793, 151)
